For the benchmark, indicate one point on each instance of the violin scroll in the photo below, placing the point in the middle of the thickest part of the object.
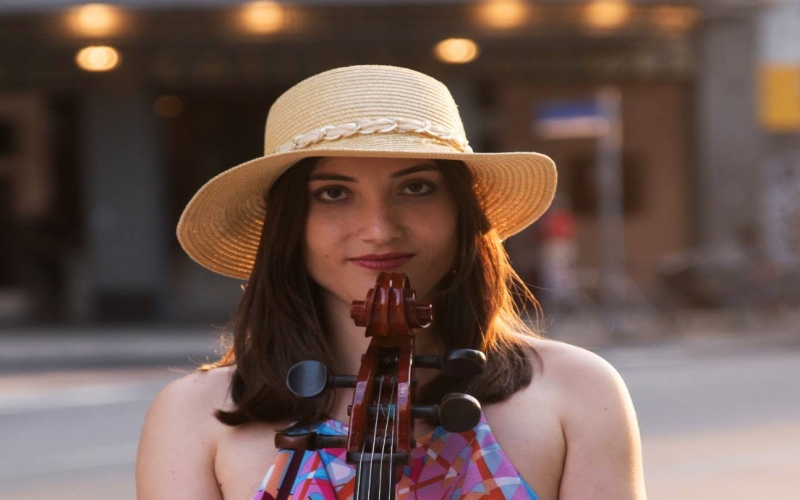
(391, 309)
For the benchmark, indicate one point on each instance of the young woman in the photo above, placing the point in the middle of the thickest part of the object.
(367, 169)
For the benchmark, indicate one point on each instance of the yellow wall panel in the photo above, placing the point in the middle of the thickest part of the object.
(779, 99)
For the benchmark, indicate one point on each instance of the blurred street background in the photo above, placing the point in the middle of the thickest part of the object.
(672, 249)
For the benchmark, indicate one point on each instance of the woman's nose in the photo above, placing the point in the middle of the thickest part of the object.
(378, 222)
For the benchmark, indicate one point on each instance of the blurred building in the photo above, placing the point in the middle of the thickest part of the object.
(112, 116)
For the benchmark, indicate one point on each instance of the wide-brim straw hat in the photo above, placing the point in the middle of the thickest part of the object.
(357, 111)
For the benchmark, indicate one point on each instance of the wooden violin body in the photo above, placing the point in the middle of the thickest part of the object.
(381, 429)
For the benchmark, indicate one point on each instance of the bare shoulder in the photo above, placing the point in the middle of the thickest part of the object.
(199, 387)
(580, 383)
(192, 399)
(179, 438)
(598, 421)
(573, 369)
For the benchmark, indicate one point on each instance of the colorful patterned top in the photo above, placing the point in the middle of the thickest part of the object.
(467, 465)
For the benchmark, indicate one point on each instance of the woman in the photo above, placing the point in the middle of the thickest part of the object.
(366, 169)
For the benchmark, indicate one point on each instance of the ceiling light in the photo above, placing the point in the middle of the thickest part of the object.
(95, 20)
(503, 14)
(262, 18)
(607, 14)
(98, 58)
(456, 50)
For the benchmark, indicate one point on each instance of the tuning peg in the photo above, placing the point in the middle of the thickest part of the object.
(455, 363)
(463, 363)
(308, 379)
(308, 441)
(456, 413)
(459, 412)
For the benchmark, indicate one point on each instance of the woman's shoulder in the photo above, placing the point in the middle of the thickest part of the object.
(198, 390)
(584, 398)
(189, 403)
(180, 435)
(561, 360)
(572, 408)
(578, 379)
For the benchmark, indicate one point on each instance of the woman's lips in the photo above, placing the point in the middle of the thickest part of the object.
(382, 262)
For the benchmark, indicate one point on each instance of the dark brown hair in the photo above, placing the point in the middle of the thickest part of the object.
(280, 320)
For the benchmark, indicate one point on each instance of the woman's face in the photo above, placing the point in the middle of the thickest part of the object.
(368, 215)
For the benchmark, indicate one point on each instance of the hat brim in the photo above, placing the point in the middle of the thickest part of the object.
(221, 226)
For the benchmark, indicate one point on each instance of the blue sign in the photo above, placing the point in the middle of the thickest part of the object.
(568, 119)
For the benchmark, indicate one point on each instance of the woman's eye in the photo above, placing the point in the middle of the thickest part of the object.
(331, 194)
(418, 188)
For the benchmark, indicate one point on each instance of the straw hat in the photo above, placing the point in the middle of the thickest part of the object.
(356, 111)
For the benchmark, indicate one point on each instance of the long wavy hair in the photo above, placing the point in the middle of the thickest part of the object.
(281, 319)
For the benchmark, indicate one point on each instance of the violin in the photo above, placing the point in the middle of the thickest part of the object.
(381, 428)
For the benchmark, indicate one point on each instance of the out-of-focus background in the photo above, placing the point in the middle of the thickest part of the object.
(672, 249)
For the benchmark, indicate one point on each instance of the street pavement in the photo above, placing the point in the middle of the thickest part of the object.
(26, 349)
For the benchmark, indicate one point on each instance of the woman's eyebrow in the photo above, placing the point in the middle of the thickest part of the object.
(413, 170)
(322, 176)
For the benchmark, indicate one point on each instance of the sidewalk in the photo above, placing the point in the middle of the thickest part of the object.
(66, 347)
(684, 333)
(691, 327)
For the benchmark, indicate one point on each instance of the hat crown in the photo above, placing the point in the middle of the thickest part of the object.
(346, 95)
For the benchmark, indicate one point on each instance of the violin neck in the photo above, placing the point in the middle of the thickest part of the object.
(376, 479)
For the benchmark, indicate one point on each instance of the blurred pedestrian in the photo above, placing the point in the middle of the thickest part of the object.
(559, 255)
(368, 170)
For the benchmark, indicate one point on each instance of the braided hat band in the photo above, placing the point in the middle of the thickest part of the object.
(357, 111)
(366, 126)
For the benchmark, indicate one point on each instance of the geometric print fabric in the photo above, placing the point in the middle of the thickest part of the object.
(444, 466)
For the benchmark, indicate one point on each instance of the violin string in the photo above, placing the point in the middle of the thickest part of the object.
(375, 433)
(389, 417)
(360, 475)
(360, 471)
